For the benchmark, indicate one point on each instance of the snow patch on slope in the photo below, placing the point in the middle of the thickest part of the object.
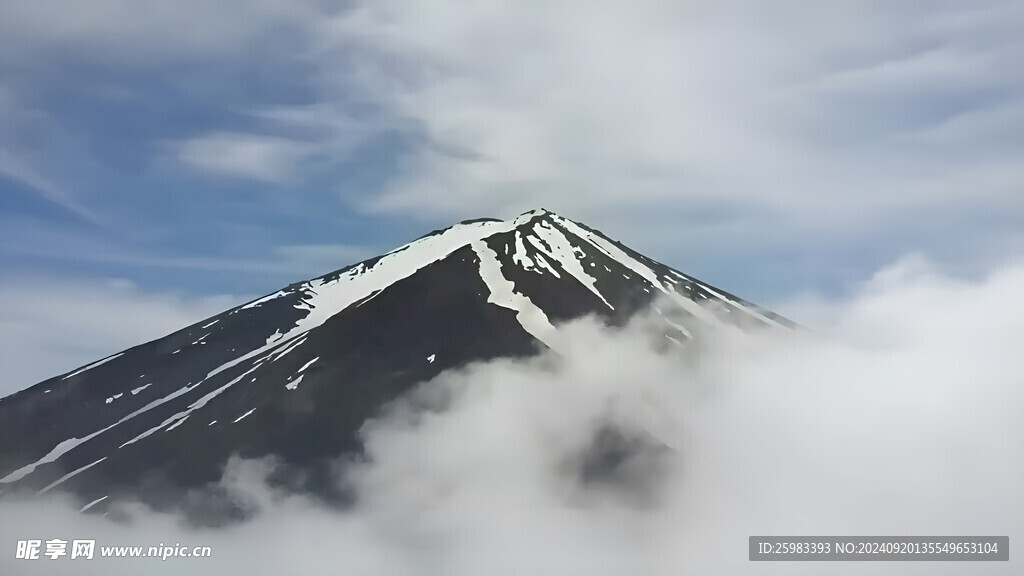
(555, 245)
(295, 384)
(307, 365)
(645, 272)
(93, 365)
(93, 503)
(519, 257)
(239, 419)
(502, 293)
(70, 475)
(261, 301)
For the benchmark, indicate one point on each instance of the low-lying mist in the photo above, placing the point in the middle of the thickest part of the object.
(898, 413)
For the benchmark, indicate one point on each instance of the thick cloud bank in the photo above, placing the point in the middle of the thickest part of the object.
(898, 414)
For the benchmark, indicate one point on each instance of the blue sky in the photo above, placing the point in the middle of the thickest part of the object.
(161, 160)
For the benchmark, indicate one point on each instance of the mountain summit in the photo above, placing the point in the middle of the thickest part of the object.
(296, 373)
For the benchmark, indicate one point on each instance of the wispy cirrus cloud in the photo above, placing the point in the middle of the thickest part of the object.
(27, 178)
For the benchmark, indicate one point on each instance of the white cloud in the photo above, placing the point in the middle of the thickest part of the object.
(49, 326)
(865, 126)
(267, 158)
(839, 121)
(902, 419)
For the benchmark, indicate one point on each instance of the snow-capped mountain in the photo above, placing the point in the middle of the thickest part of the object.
(296, 373)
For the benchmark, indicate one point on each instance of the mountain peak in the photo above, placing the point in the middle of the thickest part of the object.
(297, 372)
(539, 212)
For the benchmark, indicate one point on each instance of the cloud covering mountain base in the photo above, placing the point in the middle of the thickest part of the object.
(628, 454)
